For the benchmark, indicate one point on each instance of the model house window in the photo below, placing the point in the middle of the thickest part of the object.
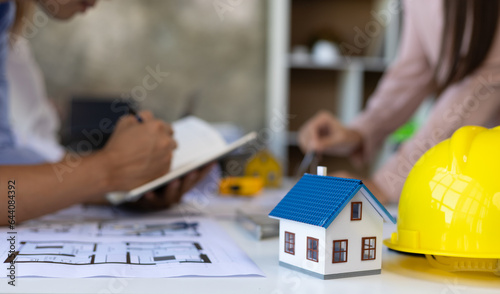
(339, 251)
(356, 212)
(290, 243)
(369, 247)
(312, 249)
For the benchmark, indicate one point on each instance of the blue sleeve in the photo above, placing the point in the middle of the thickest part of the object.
(19, 156)
(10, 154)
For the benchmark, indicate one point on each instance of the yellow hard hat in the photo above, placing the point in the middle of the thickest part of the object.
(450, 204)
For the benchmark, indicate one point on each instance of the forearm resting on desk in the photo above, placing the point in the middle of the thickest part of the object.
(42, 189)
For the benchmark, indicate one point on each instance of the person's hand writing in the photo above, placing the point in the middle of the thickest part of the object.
(137, 152)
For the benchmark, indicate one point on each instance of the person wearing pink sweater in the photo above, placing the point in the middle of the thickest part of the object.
(450, 49)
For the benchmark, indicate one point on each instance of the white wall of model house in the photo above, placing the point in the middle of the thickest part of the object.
(302, 231)
(371, 225)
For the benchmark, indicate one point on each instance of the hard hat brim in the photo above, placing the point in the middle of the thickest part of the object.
(397, 247)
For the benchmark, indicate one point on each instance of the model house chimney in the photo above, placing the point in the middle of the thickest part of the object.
(322, 171)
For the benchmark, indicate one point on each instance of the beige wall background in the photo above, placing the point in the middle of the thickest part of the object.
(216, 57)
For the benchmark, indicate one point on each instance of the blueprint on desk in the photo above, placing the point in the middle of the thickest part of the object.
(126, 247)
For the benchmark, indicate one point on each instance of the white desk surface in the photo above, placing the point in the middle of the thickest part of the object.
(400, 273)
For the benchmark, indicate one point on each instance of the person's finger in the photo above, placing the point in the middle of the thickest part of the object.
(145, 202)
(149, 196)
(159, 202)
(146, 115)
(125, 122)
(90, 3)
(171, 192)
(321, 139)
(166, 144)
(188, 182)
(157, 127)
(172, 144)
(314, 142)
(329, 133)
(303, 138)
(311, 135)
(169, 129)
(326, 141)
(322, 133)
(206, 169)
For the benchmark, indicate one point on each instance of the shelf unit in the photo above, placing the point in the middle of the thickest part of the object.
(300, 89)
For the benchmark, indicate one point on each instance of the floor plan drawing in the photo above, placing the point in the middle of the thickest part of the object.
(176, 229)
(87, 253)
(149, 228)
(58, 228)
(135, 247)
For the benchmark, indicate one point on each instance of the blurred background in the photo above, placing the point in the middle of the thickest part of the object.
(216, 67)
(247, 62)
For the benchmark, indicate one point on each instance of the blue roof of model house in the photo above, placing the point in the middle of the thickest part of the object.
(317, 200)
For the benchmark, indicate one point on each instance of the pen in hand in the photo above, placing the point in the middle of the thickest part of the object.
(305, 164)
(132, 111)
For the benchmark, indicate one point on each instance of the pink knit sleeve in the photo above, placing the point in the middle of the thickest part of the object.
(402, 89)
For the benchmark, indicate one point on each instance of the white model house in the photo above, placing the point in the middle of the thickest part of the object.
(331, 227)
